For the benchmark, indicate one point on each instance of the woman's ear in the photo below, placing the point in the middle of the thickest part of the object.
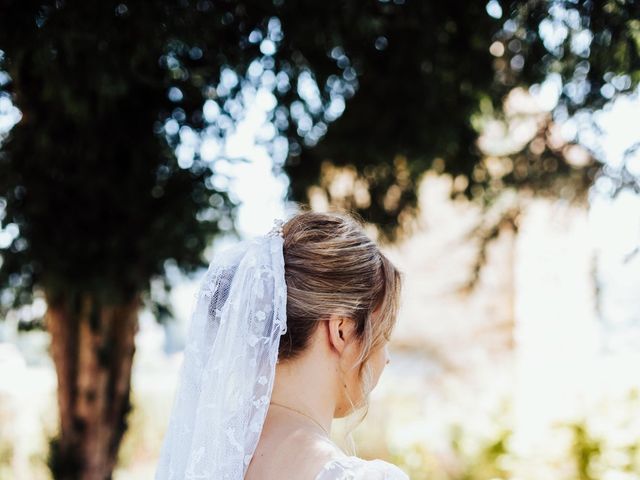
(339, 329)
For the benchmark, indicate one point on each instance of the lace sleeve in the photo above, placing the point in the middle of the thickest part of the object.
(355, 468)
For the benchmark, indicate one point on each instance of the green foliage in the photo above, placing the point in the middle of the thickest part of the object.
(6, 445)
(602, 442)
(87, 176)
(107, 90)
(486, 463)
(422, 70)
(584, 449)
(614, 447)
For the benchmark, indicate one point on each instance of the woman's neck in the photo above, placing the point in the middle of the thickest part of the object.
(308, 386)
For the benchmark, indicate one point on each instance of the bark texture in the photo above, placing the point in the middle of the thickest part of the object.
(92, 346)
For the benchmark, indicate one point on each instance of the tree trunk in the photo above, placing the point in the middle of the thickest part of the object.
(92, 346)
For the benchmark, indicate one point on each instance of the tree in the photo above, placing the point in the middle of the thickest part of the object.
(442, 72)
(98, 203)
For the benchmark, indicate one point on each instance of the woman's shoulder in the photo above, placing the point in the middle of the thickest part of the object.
(356, 468)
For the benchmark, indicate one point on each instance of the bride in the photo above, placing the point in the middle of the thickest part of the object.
(290, 330)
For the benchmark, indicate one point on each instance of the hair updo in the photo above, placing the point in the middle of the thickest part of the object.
(332, 266)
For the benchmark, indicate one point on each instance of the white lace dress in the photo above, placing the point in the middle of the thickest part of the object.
(356, 468)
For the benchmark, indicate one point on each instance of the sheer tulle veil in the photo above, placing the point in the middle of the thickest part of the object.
(228, 371)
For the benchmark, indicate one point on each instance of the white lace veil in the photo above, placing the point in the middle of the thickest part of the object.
(229, 363)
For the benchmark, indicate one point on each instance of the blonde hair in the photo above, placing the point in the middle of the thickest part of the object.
(332, 266)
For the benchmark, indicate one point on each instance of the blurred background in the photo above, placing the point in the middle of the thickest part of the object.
(492, 149)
